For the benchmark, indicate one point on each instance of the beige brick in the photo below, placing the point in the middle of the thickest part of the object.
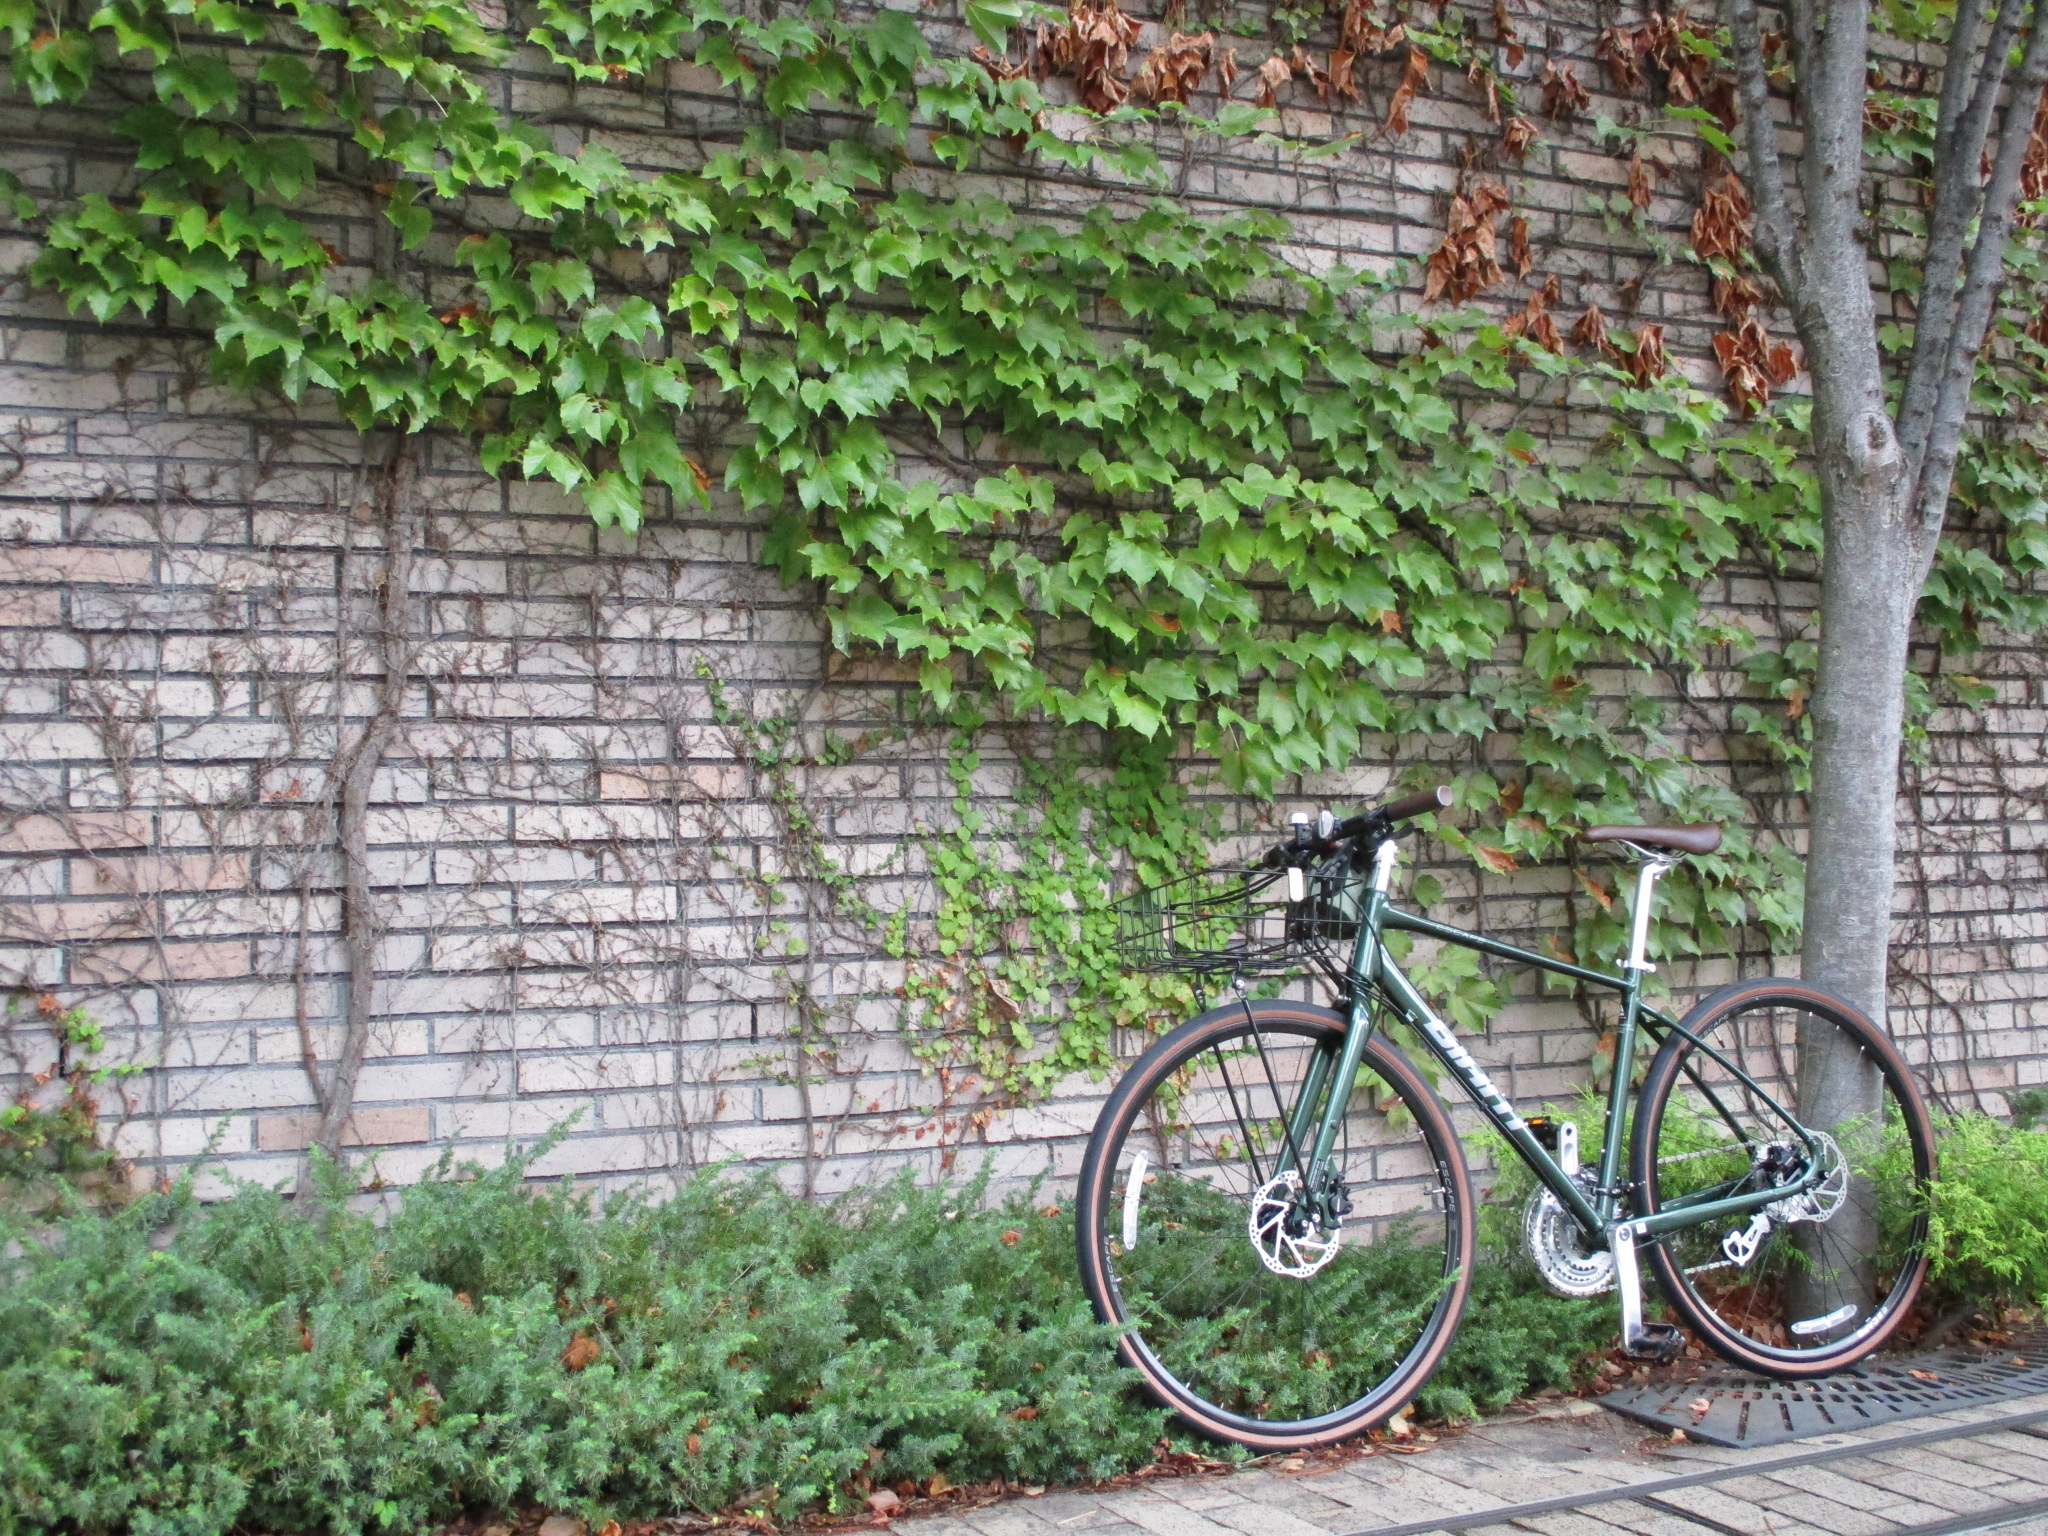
(366, 1128)
(75, 564)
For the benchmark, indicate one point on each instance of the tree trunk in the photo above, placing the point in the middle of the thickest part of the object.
(1871, 574)
(1870, 581)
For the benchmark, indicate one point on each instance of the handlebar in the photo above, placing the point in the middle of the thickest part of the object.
(1377, 823)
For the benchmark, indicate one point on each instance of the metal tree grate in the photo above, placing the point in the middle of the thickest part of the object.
(1729, 1407)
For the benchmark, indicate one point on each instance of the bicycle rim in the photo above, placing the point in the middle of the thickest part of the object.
(1185, 1225)
(1817, 1280)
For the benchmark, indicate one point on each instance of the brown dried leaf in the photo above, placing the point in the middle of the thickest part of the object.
(1414, 76)
(1342, 77)
(1721, 225)
(1499, 860)
(1745, 381)
(1640, 176)
(1308, 69)
(1174, 70)
(1094, 46)
(1564, 98)
(1517, 136)
(999, 70)
(1648, 361)
(1735, 297)
(1535, 321)
(1510, 39)
(1616, 49)
(1466, 263)
(1590, 332)
(1489, 88)
(2034, 168)
(1361, 31)
(1751, 363)
(1518, 245)
(583, 1351)
(1273, 74)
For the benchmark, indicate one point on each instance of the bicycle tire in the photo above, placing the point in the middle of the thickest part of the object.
(1876, 1260)
(1423, 1166)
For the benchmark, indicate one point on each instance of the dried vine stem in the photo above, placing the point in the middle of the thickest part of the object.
(395, 512)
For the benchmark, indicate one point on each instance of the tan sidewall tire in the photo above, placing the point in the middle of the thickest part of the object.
(1098, 1173)
(1729, 1345)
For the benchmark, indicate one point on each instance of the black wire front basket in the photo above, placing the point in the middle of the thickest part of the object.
(1238, 921)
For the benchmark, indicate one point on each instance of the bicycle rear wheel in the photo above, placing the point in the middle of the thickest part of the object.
(1252, 1323)
(1826, 1276)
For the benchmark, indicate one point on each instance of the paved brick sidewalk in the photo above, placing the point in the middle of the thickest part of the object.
(1596, 1475)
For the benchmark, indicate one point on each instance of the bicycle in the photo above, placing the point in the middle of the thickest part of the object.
(1276, 1211)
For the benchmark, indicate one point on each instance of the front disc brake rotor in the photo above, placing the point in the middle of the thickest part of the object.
(1287, 1231)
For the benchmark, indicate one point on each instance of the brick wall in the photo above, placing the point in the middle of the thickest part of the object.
(592, 910)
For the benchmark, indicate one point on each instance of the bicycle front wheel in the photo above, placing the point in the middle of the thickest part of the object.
(1769, 1083)
(1253, 1316)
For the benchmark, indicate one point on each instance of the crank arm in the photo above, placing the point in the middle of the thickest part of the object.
(1641, 1340)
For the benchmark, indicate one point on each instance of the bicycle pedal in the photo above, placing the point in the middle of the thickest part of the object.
(1656, 1342)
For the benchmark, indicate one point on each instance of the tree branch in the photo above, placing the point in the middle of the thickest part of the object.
(1982, 279)
(1777, 237)
(1804, 33)
(1959, 137)
(1834, 305)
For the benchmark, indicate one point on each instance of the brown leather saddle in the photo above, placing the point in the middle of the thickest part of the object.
(1697, 837)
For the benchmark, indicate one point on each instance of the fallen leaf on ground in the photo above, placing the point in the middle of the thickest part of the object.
(583, 1350)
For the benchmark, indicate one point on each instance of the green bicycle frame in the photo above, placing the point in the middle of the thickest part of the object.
(1373, 972)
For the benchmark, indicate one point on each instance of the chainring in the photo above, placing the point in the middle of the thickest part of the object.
(1558, 1248)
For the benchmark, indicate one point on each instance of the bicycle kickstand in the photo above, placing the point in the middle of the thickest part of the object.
(1659, 1342)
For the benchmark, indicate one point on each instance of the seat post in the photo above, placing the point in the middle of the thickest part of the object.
(1655, 866)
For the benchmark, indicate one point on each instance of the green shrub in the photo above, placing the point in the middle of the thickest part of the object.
(1988, 1218)
(175, 1369)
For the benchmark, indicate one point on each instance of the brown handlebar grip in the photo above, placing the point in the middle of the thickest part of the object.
(1419, 803)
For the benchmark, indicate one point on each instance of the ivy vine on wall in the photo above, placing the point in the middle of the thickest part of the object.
(1132, 470)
